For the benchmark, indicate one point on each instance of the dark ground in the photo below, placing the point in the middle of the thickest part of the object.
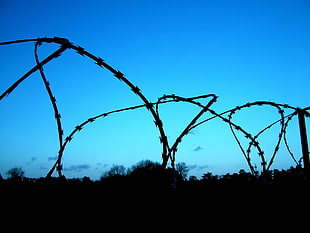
(237, 202)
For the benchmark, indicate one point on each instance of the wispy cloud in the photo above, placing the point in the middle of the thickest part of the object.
(198, 170)
(32, 159)
(193, 132)
(202, 167)
(101, 166)
(43, 167)
(198, 148)
(52, 158)
(191, 167)
(77, 168)
(197, 167)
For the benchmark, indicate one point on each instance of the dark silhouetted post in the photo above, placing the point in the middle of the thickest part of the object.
(304, 141)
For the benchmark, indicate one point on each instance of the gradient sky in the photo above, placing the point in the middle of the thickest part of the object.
(242, 51)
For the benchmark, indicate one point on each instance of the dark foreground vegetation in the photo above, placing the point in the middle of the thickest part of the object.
(149, 194)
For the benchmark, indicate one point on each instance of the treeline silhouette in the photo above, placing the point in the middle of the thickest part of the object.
(151, 175)
(147, 188)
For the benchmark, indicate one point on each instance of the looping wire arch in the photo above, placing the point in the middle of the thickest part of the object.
(64, 45)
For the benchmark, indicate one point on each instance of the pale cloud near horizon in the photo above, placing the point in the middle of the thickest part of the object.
(78, 168)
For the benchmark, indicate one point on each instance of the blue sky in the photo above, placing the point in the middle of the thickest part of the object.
(242, 51)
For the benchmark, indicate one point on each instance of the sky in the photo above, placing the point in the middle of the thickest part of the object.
(241, 51)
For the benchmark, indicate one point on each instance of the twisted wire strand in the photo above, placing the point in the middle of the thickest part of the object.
(168, 153)
(81, 126)
(253, 139)
(53, 102)
(54, 55)
(237, 127)
(289, 118)
(186, 130)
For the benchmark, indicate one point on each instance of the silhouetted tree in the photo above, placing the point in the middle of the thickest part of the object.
(86, 179)
(149, 174)
(182, 169)
(207, 176)
(193, 179)
(144, 167)
(118, 170)
(16, 173)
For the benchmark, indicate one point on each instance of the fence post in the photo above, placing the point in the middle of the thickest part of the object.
(304, 141)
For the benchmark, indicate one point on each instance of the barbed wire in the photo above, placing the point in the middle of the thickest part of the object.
(168, 152)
